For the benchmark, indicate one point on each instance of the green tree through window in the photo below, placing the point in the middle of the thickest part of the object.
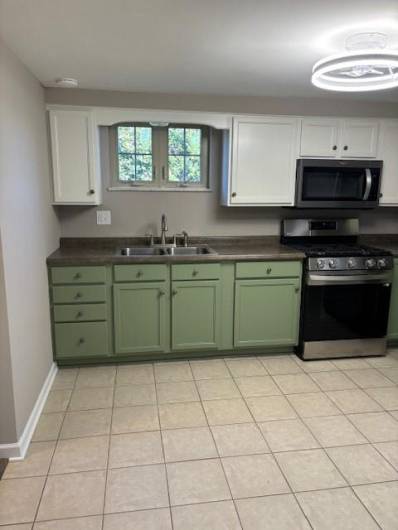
(160, 156)
(184, 150)
(134, 153)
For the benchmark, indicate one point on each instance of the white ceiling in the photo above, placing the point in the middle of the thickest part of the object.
(228, 47)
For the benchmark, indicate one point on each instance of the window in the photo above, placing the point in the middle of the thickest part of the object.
(134, 153)
(159, 156)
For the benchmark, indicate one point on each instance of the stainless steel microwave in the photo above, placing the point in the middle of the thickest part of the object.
(338, 183)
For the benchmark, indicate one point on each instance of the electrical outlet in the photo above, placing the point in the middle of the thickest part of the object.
(103, 217)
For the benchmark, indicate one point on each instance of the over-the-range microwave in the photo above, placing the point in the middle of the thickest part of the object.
(338, 183)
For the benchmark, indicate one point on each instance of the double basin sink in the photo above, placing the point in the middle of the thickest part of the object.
(166, 251)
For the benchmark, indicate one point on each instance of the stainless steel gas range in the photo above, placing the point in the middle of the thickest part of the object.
(346, 289)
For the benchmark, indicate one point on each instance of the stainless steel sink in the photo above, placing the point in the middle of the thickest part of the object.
(166, 251)
(190, 251)
(143, 251)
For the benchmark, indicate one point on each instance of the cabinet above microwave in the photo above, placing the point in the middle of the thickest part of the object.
(339, 138)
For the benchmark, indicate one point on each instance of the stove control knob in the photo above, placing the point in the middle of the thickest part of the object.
(332, 264)
(351, 263)
(382, 263)
(320, 263)
(370, 263)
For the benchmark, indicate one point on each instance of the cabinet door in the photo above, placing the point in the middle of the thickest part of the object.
(388, 152)
(319, 137)
(141, 317)
(73, 154)
(266, 312)
(264, 153)
(393, 322)
(359, 139)
(196, 315)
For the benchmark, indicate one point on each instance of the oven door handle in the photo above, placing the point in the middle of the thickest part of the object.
(352, 279)
(368, 185)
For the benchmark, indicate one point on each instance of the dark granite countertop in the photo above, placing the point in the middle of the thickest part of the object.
(385, 241)
(93, 251)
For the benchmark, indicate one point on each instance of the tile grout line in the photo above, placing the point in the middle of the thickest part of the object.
(219, 456)
(163, 451)
(108, 453)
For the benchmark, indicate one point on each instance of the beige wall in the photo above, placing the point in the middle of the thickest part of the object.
(29, 230)
(135, 213)
(8, 431)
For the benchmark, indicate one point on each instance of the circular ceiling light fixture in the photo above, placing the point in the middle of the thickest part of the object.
(365, 66)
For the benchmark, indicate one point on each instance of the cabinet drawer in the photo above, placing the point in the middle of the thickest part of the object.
(79, 294)
(199, 271)
(139, 273)
(80, 312)
(268, 269)
(82, 339)
(77, 275)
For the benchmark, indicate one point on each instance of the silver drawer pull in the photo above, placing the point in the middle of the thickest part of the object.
(269, 270)
(79, 314)
(77, 276)
(81, 340)
(139, 274)
(78, 295)
(195, 272)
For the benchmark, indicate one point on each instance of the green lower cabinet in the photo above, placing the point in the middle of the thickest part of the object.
(266, 312)
(141, 317)
(393, 321)
(79, 340)
(195, 315)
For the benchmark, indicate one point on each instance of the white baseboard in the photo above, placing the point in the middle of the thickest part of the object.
(17, 450)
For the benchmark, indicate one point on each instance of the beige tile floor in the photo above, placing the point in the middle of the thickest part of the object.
(255, 443)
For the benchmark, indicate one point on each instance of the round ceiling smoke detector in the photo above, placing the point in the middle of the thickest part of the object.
(66, 82)
(365, 66)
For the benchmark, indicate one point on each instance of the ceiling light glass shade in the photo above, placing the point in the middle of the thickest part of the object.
(361, 71)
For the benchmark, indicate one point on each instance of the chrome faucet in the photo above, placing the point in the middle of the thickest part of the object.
(164, 228)
(185, 234)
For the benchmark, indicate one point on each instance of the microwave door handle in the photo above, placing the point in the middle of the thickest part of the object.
(368, 184)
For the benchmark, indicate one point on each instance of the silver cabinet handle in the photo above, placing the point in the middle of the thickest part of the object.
(78, 295)
(195, 272)
(269, 270)
(79, 314)
(77, 276)
(81, 340)
(173, 292)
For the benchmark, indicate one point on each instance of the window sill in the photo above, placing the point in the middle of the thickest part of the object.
(165, 188)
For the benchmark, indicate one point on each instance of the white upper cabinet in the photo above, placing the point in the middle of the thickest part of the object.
(388, 152)
(359, 138)
(74, 155)
(339, 138)
(319, 137)
(262, 161)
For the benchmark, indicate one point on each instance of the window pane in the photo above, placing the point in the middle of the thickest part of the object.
(143, 169)
(192, 141)
(125, 137)
(176, 168)
(176, 141)
(192, 169)
(126, 167)
(143, 140)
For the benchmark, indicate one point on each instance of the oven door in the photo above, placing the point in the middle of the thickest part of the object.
(344, 314)
(338, 183)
